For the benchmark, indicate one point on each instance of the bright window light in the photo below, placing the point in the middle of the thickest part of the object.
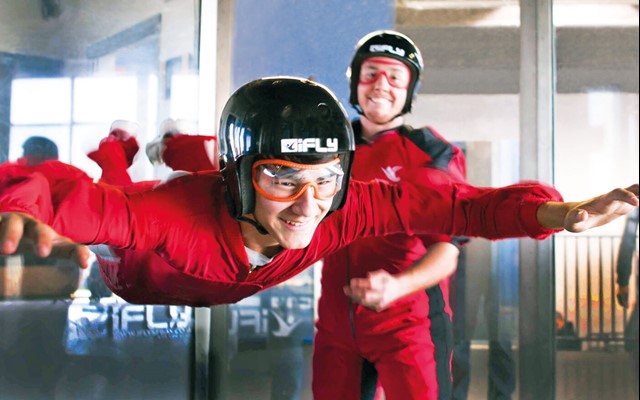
(41, 101)
(184, 97)
(104, 99)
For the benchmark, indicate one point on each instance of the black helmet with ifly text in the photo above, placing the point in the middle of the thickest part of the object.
(386, 43)
(284, 118)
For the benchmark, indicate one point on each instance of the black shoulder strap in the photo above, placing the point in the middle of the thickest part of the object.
(357, 131)
(440, 151)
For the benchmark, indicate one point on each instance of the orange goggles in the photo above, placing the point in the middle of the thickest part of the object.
(282, 180)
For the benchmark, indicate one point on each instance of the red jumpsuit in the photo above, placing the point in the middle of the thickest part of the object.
(187, 223)
(400, 340)
(182, 152)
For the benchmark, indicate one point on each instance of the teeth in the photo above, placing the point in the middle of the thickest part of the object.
(295, 223)
(377, 100)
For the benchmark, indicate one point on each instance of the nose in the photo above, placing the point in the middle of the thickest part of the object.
(306, 205)
(381, 81)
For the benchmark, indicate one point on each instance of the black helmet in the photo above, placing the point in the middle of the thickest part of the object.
(281, 117)
(386, 44)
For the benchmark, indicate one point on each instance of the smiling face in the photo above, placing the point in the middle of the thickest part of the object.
(382, 89)
(292, 224)
(291, 200)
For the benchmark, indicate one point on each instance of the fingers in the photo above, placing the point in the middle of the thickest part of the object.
(371, 292)
(360, 283)
(41, 235)
(11, 229)
(368, 298)
(602, 209)
(378, 279)
(577, 220)
(18, 230)
(362, 289)
(633, 189)
(16, 227)
(361, 295)
(628, 195)
(77, 253)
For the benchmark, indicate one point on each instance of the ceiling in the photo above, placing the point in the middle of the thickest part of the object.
(473, 46)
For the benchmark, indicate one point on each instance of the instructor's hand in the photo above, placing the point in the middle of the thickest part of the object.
(19, 229)
(377, 291)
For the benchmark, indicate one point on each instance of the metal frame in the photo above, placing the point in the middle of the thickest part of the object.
(537, 367)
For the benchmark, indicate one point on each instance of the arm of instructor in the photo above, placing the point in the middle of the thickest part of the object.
(380, 289)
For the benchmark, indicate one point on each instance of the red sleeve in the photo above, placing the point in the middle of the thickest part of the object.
(492, 213)
(67, 199)
(24, 191)
(190, 153)
(431, 203)
(456, 168)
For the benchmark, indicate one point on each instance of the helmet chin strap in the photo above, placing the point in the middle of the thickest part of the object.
(242, 218)
(255, 224)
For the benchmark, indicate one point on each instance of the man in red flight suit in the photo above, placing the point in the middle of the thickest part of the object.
(403, 330)
(396, 253)
(282, 201)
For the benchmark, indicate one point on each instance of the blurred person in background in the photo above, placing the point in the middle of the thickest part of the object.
(38, 149)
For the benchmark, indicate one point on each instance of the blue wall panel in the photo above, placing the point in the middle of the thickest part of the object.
(304, 38)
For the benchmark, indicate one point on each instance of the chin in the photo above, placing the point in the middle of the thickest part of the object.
(380, 118)
(296, 244)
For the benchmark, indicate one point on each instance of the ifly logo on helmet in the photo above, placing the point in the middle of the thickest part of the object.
(385, 48)
(308, 144)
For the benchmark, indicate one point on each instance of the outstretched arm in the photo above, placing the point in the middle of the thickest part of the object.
(380, 289)
(588, 214)
(524, 209)
(52, 206)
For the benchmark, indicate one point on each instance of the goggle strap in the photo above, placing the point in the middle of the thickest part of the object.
(291, 164)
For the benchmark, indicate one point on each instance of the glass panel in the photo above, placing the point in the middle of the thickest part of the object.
(596, 150)
(68, 69)
(469, 94)
(271, 336)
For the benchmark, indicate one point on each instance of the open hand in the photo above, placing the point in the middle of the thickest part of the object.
(19, 229)
(601, 210)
